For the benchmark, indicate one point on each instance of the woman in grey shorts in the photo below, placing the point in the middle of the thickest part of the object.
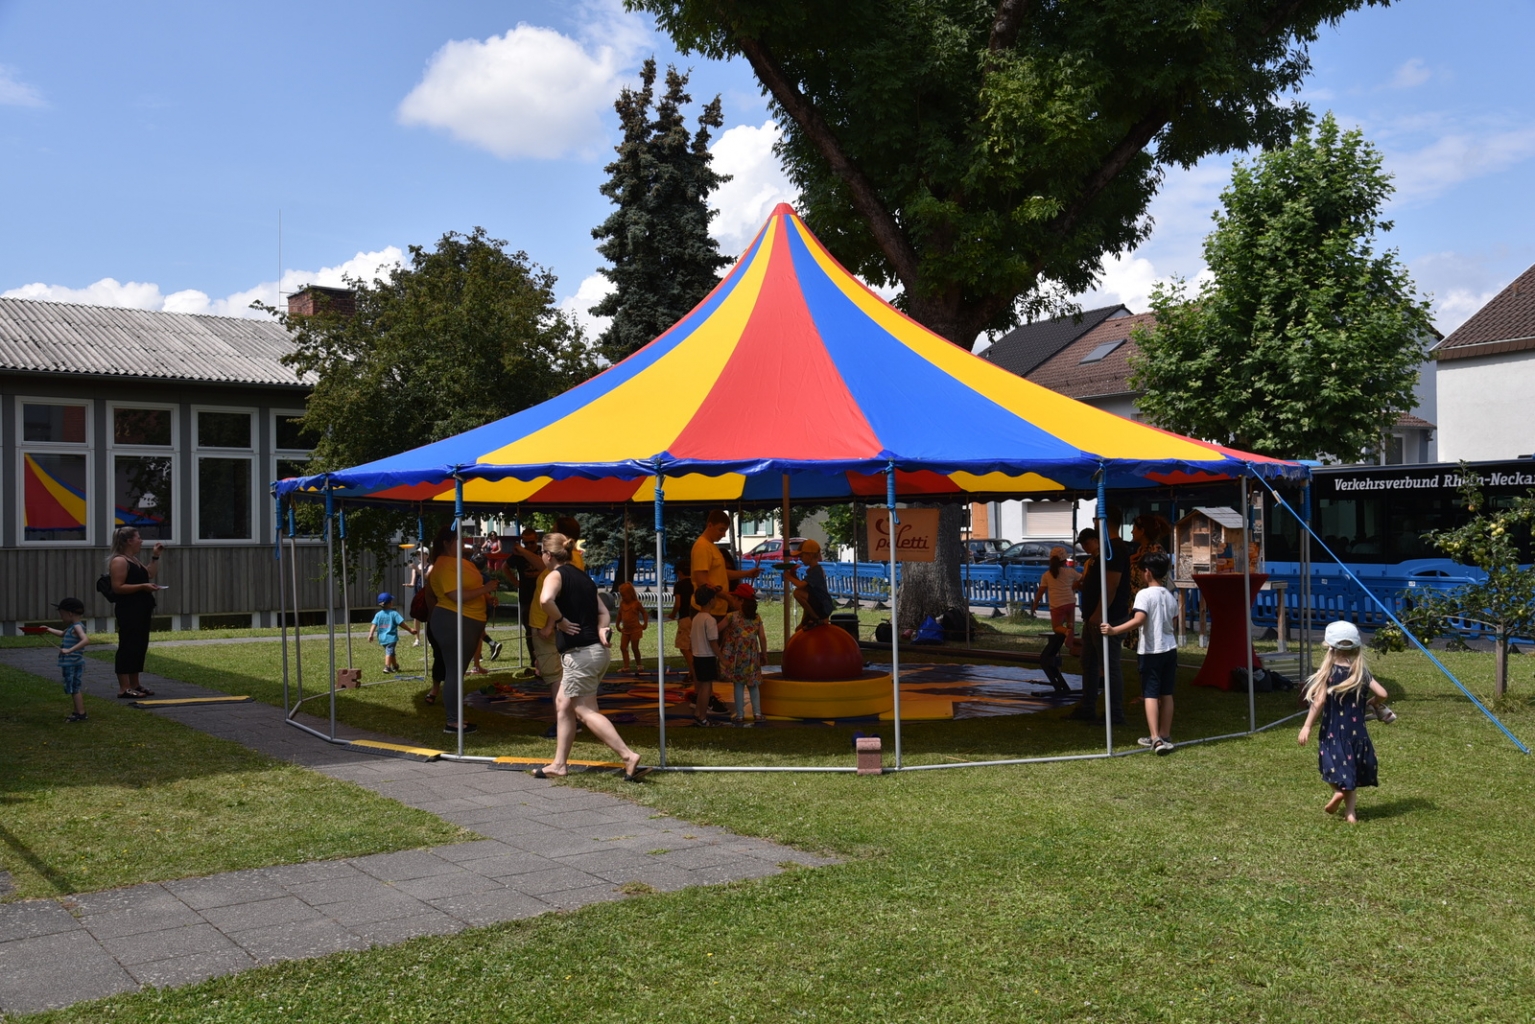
(569, 599)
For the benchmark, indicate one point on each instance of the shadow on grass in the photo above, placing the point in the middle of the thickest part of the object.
(399, 710)
(1396, 808)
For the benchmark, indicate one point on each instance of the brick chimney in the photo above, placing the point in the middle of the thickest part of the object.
(314, 298)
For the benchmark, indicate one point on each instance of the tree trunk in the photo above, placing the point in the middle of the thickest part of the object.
(930, 588)
(1500, 667)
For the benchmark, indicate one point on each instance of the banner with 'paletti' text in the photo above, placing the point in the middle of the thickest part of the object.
(916, 534)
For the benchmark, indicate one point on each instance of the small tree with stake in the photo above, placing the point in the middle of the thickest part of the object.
(1504, 602)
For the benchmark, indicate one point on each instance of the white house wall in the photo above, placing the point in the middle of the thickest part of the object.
(1486, 407)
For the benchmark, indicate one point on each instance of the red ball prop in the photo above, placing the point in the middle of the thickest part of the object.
(822, 654)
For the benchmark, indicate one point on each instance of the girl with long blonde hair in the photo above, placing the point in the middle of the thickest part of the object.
(1340, 694)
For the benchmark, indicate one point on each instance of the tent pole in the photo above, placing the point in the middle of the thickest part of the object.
(1303, 535)
(522, 627)
(660, 619)
(784, 556)
(346, 597)
(1105, 549)
(1247, 605)
(458, 603)
(282, 598)
(298, 636)
(895, 632)
(330, 594)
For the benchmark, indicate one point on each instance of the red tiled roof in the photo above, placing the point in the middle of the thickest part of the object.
(1066, 373)
(1506, 324)
(1407, 419)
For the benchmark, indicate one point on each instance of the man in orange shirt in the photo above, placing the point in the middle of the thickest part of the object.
(708, 566)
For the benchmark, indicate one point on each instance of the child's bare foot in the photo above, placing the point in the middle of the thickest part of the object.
(1351, 819)
(1334, 803)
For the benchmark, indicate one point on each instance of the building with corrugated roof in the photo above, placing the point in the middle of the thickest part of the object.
(171, 422)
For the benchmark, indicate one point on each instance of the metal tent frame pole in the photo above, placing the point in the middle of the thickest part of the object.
(282, 597)
(895, 627)
(783, 555)
(458, 602)
(1105, 548)
(1247, 601)
(660, 618)
(330, 593)
(346, 596)
(298, 635)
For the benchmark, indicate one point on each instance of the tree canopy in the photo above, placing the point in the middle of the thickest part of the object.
(987, 156)
(465, 333)
(662, 259)
(1305, 341)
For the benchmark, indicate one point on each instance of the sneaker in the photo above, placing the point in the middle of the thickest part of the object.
(1162, 748)
(453, 727)
(495, 649)
(77, 718)
(1147, 741)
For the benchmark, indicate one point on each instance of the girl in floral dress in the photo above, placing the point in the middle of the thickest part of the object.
(743, 645)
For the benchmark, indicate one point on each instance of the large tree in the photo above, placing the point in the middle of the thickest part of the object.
(662, 259)
(985, 157)
(465, 333)
(1305, 341)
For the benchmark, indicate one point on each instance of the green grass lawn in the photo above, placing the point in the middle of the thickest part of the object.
(128, 797)
(1204, 886)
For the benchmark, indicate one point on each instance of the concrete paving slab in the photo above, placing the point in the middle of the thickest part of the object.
(261, 914)
(192, 968)
(406, 864)
(491, 907)
(147, 947)
(387, 905)
(400, 929)
(26, 919)
(459, 883)
(574, 899)
(232, 889)
(49, 971)
(296, 940)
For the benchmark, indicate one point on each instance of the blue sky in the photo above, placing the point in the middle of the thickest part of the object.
(146, 149)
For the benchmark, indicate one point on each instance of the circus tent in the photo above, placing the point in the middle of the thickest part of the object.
(792, 367)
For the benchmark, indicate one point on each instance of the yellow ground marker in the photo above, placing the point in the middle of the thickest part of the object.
(186, 702)
(521, 764)
(396, 750)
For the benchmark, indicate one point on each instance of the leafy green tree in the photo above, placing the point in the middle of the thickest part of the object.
(987, 156)
(662, 258)
(1305, 341)
(464, 334)
(1504, 601)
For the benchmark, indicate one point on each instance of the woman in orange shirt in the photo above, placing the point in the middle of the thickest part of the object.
(457, 646)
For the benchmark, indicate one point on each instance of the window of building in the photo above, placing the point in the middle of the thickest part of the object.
(144, 470)
(225, 493)
(291, 443)
(54, 467)
(756, 525)
(1393, 450)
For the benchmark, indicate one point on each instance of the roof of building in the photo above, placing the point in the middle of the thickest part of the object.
(1024, 348)
(1092, 365)
(1505, 324)
(1407, 419)
(62, 337)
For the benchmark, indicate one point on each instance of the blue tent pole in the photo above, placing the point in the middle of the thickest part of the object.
(1405, 631)
(330, 594)
(1105, 549)
(661, 618)
(895, 628)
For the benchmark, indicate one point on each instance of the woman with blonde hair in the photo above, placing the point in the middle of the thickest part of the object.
(1341, 693)
(133, 603)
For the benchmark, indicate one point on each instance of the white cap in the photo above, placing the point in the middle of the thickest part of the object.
(1342, 636)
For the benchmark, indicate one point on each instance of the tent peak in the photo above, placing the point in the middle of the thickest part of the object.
(784, 208)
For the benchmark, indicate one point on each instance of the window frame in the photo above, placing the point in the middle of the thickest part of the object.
(173, 451)
(250, 454)
(25, 448)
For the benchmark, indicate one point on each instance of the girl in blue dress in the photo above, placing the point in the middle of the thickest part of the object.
(1340, 694)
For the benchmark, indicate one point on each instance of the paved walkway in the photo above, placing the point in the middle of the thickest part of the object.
(546, 847)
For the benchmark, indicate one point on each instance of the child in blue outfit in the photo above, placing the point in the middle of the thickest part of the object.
(386, 626)
(71, 661)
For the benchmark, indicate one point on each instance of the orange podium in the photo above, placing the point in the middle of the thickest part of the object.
(1230, 625)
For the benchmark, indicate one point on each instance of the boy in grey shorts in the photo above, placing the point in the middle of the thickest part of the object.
(71, 661)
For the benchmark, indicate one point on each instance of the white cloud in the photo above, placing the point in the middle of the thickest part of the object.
(587, 294)
(757, 184)
(1459, 284)
(1457, 156)
(1411, 74)
(142, 295)
(16, 93)
(529, 93)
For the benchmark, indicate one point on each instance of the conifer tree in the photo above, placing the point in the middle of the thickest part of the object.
(662, 260)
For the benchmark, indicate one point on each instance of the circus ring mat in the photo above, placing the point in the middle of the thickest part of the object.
(928, 693)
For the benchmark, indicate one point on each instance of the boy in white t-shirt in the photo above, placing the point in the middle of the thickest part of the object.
(706, 654)
(1157, 651)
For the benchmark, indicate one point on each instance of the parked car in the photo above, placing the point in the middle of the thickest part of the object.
(984, 550)
(770, 552)
(1037, 552)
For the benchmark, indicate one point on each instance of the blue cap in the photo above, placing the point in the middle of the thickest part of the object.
(385, 597)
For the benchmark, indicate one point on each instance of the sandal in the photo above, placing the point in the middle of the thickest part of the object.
(431, 698)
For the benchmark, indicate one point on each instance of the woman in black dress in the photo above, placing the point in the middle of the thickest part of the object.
(133, 587)
(1340, 694)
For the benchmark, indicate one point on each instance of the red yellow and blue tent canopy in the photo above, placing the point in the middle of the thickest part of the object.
(791, 366)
